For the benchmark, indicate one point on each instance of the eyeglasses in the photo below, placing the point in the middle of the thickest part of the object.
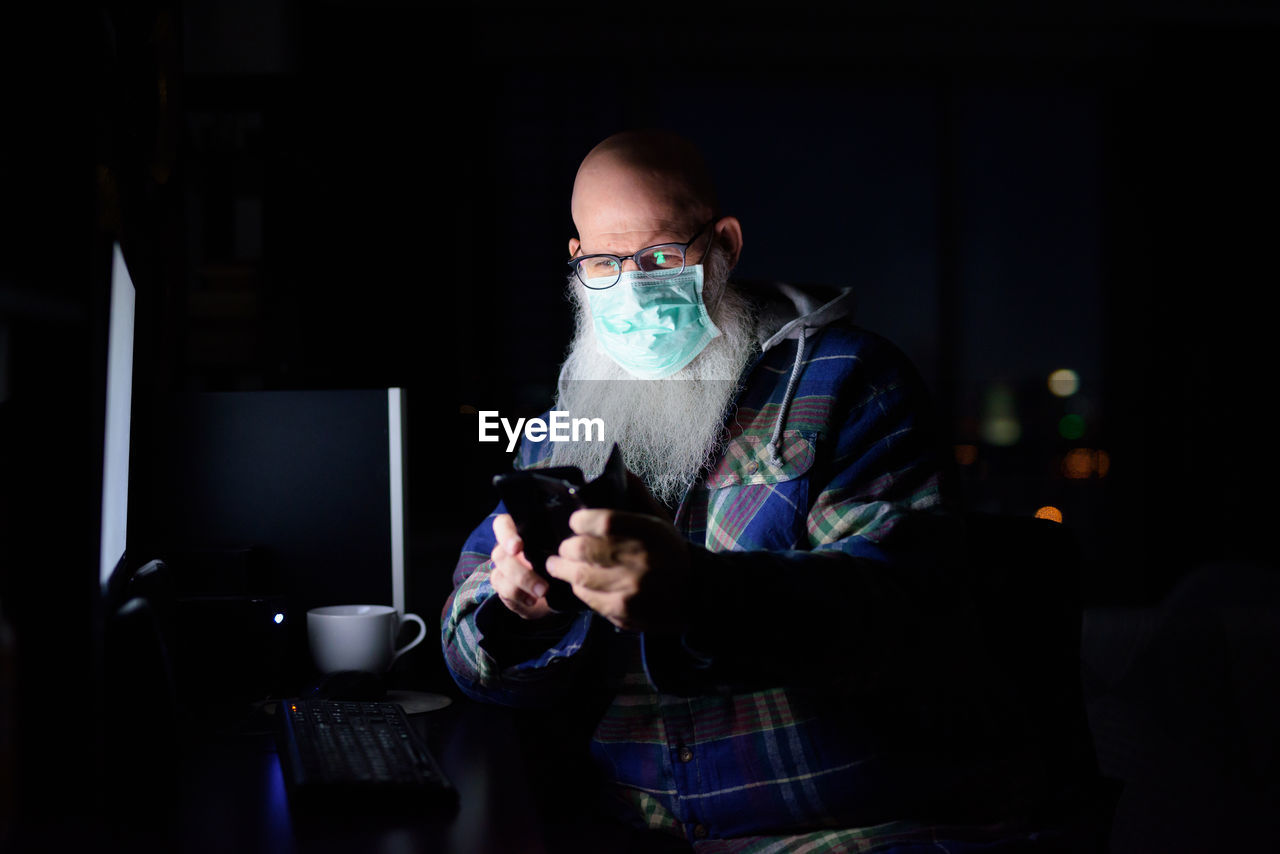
(599, 272)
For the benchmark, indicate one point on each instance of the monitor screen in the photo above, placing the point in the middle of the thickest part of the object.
(115, 451)
(292, 494)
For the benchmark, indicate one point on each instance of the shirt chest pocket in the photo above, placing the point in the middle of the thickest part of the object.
(755, 501)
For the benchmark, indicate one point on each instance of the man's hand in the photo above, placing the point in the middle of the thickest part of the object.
(630, 568)
(513, 578)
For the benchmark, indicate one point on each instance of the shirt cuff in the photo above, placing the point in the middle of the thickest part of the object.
(512, 640)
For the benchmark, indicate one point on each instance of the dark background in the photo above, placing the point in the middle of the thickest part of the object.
(349, 195)
(359, 195)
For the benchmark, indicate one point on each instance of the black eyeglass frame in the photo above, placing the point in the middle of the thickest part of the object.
(661, 273)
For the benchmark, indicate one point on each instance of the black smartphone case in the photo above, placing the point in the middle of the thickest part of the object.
(541, 502)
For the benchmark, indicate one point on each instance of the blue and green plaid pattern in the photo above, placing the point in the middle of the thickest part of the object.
(749, 733)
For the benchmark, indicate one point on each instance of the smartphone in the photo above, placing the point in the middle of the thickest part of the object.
(541, 501)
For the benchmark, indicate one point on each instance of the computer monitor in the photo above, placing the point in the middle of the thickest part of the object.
(137, 720)
(116, 420)
(65, 431)
(298, 495)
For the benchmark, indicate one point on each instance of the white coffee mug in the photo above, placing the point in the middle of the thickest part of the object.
(358, 637)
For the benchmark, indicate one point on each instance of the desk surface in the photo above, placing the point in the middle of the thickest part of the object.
(220, 789)
(233, 798)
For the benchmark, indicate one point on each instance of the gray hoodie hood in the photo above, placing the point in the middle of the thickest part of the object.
(793, 311)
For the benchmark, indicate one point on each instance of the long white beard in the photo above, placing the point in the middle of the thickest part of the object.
(668, 429)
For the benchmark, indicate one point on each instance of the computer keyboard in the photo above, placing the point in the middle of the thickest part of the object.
(357, 756)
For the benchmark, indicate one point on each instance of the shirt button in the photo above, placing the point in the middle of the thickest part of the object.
(753, 467)
(699, 831)
(685, 754)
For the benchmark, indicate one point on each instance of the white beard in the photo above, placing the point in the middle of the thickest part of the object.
(668, 429)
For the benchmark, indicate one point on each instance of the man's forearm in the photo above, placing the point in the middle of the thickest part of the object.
(822, 619)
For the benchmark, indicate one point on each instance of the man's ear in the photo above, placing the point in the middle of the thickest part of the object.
(729, 235)
(574, 243)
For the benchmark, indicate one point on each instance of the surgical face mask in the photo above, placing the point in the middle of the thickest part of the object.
(652, 327)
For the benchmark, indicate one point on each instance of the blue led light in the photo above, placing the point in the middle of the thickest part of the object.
(279, 619)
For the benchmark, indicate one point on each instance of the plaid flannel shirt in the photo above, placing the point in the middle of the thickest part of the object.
(790, 712)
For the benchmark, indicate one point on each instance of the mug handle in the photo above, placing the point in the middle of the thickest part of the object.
(422, 633)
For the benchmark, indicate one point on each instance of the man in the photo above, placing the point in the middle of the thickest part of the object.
(772, 649)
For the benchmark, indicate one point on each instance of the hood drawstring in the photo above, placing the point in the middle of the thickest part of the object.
(798, 328)
(775, 459)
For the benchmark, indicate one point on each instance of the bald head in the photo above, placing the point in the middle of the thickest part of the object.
(662, 165)
(640, 188)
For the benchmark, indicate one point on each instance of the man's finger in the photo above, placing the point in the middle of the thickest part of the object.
(518, 575)
(533, 585)
(519, 588)
(504, 527)
(597, 602)
(563, 568)
(590, 549)
(501, 553)
(612, 523)
(586, 576)
(521, 582)
(522, 605)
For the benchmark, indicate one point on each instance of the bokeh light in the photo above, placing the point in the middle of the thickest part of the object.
(1082, 463)
(1000, 424)
(966, 455)
(1002, 431)
(1078, 463)
(1071, 427)
(1064, 382)
(1053, 514)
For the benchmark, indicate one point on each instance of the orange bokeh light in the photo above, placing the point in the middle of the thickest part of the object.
(1081, 463)
(1078, 463)
(1053, 514)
